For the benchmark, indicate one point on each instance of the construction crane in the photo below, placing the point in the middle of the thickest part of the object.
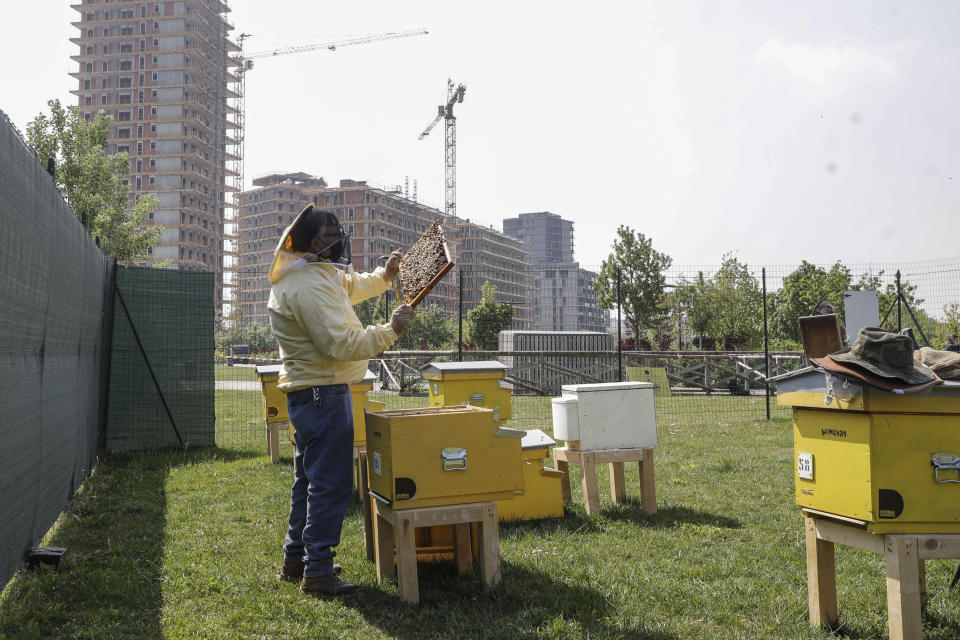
(243, 64)
(454, 96)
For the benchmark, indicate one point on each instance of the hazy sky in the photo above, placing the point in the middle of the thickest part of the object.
(781, 130)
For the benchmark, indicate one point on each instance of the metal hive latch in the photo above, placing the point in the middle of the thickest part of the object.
(454, 458)
(948, 463)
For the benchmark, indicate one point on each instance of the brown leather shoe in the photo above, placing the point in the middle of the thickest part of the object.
(293, 571)
(328, 585)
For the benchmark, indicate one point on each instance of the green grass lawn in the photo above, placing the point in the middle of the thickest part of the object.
(187, 544)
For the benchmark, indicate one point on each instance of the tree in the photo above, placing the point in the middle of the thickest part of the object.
(887, 296)
(800, 293)
(489, 318)
(642, 280)
(92, 183)
(433, 327)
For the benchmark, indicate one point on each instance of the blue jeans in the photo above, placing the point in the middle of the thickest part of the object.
(322, 418)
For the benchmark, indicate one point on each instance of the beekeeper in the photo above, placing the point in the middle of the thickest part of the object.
(324, 349)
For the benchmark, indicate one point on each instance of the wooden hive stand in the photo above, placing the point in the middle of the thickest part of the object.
(588, 461)
(396, 527)
(905, 556)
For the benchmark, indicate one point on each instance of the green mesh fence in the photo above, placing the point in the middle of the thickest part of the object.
(161, 370)
(53, 282)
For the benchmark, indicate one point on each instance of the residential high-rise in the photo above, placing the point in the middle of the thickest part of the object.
(486, 255)
(548, 236)
(564, 299)
(161, 69)
(378, 221)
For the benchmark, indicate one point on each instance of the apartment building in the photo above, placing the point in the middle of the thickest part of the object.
(161, 70)
(378, 221)
(564, 296)
(486, 255)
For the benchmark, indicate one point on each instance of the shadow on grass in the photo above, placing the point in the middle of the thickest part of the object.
(576, 520)
(527, 603)
(110, 584)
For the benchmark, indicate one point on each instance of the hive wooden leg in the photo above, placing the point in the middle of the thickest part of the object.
(564, 468)
(618, 486)
(489, 534)
(383, 533)
(365, 499)
(273, 441)
(903, 588)
(406, 558)
(591, 494)
(463, 548)
(923, 586)
(821, 579)
(648, 488)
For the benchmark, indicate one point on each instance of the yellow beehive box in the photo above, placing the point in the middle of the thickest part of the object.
(441, 455)
(358, 394)
(542, 495)
(274, 400)
(890, 460)
(473, 383)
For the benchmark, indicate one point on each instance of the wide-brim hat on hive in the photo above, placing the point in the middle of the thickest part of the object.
(883, 359)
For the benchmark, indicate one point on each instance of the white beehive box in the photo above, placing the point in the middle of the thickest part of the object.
(615, 415)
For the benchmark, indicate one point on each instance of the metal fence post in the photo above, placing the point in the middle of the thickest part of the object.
(899, 298)
(460, 319)
(766, 343)
(619, 336)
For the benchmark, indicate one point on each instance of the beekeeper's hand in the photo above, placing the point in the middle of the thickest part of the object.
(401, 318)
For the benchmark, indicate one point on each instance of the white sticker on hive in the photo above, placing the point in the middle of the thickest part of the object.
(805, 466)
(377, 469)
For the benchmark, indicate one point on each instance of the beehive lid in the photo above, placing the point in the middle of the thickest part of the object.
(536, 439)
(480, 366)
(369, 377)
(269, 370)
(606, 386)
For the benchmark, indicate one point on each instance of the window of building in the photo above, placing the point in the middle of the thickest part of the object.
(123, 116)
(143, 44)
(123, 132)
(103, 83)
(126, 65)
(156, 25)
(154, 76)
(103, 99)
(139, 113)
(124, 98)
(89, 67)
(86, 116)
(152, 180)
(153, 111)
(153, 146)
(89, 33)
(89, 50)
(153, 94)
(139, 148)
(106, 31)
(139, 183)
(153, 128)
(123, 148)
(154, 59)
(153, 162)
(86, 84)
(140, 95)
(87, 100)
(103, 66)
(126, 83)
(139, 165)
(139, 130)
(156, 42)
(89, 17)
(156, 8)
(106, 15)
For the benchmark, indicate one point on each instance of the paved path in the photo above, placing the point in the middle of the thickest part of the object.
(236, 385)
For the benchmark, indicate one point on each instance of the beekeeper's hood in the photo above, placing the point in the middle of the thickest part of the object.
(286, 259)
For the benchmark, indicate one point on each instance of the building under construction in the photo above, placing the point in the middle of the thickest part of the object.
(161, 70)
(378, 221)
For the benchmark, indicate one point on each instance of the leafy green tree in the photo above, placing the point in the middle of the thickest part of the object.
(642, 280)
(489, 318)
(692, 298)
(800, 293)
(433, 327)
(737, 304)
(364, 311)
(92, 183)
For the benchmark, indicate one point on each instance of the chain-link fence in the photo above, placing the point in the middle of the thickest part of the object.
(709, 341)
